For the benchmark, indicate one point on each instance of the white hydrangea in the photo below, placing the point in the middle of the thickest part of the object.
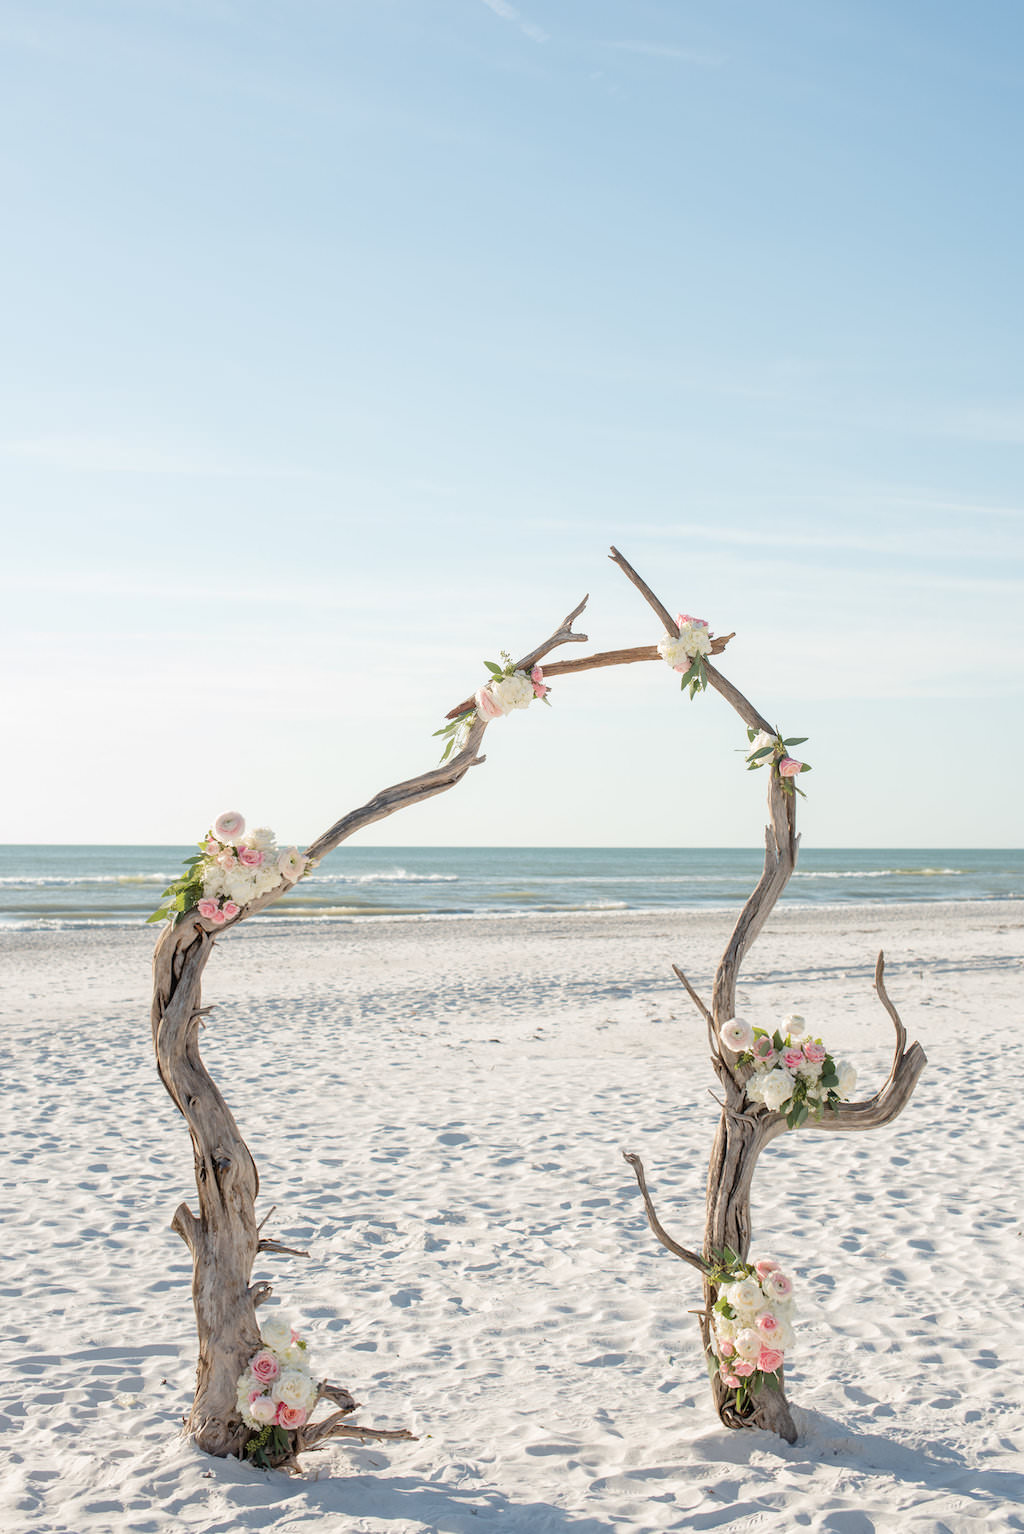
(777, 1088)
(515, 691)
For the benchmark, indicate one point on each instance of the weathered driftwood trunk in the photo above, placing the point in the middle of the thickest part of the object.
(224, 1238)
(745, 1128)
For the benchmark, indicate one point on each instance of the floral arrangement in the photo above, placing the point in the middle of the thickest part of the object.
(507, 689)
(276, 1393)
(231, 870)
(765, 749)
(793, 1073)
(686, 654)
(751, 1324)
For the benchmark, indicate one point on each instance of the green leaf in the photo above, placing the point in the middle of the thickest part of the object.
(493, 669)
(160, 915)
(795, 740)
(805, 768)
(448, 750)
(757, 756)
(778, 1042)
(751, 734)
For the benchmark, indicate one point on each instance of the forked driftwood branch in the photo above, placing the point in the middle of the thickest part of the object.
(745, 1128)
(224, 1238)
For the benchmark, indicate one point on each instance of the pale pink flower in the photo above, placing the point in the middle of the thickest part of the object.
(263, 1409)
(212, 847)
(743, 1368)
(778, 1285)
(769, 1326)
(697, 622)
(737, 1035)
(207, 909)
(217, 916)
(229, 826)
(291, 865)
(226, 860)
(725, 1347)
(250, 857)
(765, 1266)
(763, 1049)
(487, 705)
(230, 909)
(265, 1367)
(792, 1058)
(814, 1053)
(769, 1360)
(539, 685)
(789, 767)
(729, 1378)
(290, 1416)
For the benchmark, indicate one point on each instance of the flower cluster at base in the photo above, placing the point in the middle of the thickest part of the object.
(686, 654)
(793, 1074)
(751, 1325)
(230, 871)
(276, 1393)
(766, 749)
(508, 689)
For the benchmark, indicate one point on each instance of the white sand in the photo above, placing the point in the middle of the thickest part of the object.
(436, 1108)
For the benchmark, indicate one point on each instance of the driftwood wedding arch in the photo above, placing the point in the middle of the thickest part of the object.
(224, 1238)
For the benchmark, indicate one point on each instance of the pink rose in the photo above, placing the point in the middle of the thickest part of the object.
(290, 1416)
(697, 622)
(725, 1348)
(487, 705)
(250, 857)
(226, 860)
(263, 1409)
(230, 909)
(789, 767)
(729, 1379)
(765, 1266)
(770, 1327)
(815, 1054)
(265, 1367)
(792, 1058)
(207, 909)
(537, 678)
(763, 1049)
(212, 847)
(217, 916)
(743, 1368)
(229, 826)
(769, 1360)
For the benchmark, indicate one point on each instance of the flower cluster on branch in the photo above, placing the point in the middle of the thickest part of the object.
(751, 1324)
(507, 690)
(231, 870)
(793, 1072)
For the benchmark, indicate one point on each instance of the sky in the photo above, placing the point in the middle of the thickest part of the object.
(341, 338)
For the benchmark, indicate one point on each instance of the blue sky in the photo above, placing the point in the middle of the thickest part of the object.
(342, 337)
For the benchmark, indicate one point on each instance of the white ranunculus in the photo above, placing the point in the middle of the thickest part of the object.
(847, 1079)
(262, 839)
(515, 691)
(762, 741)
(295, 1387)
(777, 1088)
(745, 1296)
(793, 1024)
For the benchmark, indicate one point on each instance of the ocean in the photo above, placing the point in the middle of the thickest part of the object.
(53, 887)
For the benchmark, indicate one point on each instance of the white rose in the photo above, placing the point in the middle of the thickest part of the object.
(277, 1334)
(745, 1295)
(847, 1078)
(294, 1387)
(794, 1023)
(262, 839)
(725, 1326)
(777, 1088)
(748, 1343)
(755, 1087)
(515, 691)
(762, 741)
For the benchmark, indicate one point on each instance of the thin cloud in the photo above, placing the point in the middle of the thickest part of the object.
(509, 13)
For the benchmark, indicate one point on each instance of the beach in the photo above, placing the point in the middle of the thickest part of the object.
(437, 1109)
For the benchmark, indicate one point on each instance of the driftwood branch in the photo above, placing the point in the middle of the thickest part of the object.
(744, 1129)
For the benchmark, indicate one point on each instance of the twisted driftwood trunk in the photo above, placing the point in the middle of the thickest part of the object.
(224, 1238)
(745, 1128)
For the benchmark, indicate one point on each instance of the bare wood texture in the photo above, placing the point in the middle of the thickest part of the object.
(744, 1129)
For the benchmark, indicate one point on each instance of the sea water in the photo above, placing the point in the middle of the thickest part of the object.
(52, 886)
